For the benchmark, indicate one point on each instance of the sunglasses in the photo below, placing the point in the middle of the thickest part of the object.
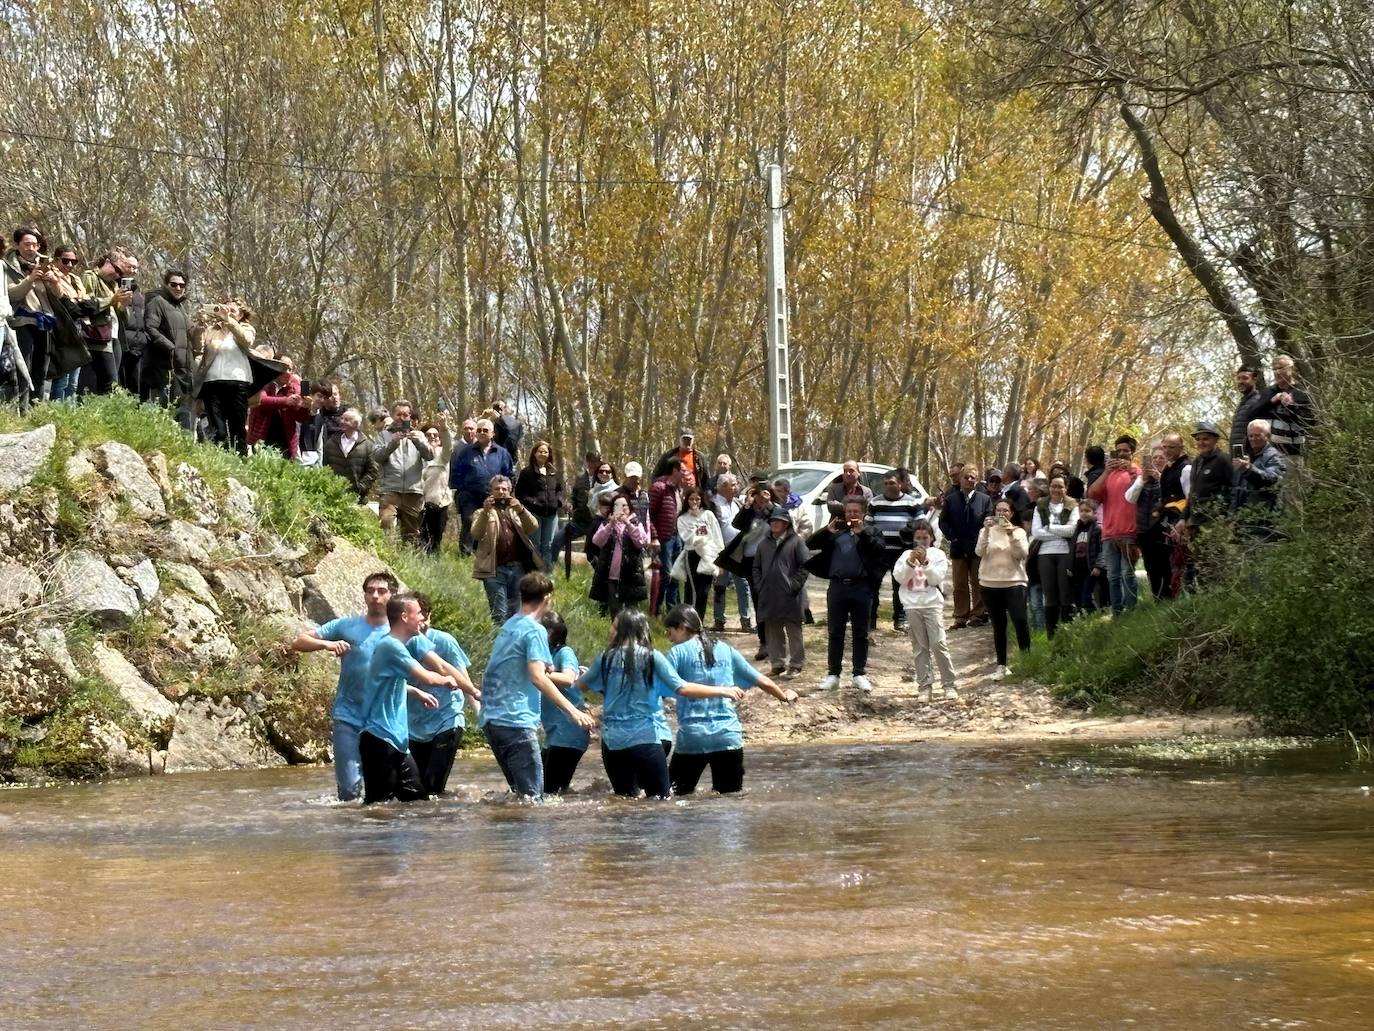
(606, 471)
(177, 286)
(66, 261)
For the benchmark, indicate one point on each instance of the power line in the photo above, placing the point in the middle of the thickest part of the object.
(506, 180)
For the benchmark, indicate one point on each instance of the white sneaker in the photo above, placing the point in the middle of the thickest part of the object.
(1001, 673)
(952, 693)
(860, 683)
(830, 683)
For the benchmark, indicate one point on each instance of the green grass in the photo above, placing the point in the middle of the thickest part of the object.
(290, 496)
(65, 749)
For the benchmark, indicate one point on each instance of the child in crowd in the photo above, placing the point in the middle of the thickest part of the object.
(436, 735)
(1089, 564)
(709, 732)
(564, 741)
(602, 516)
(920, 577)
(633, 678)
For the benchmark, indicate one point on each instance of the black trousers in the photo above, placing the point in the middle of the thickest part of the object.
(559, 766)
(433, 520)
(434, 759)
(727, 771)
(387, 773)
(99, 375)
(1158, 554)
(847, 603)
(639, 767)
(898, 611)
(226, 409)
(1007, 603)
(698, 586)
(33, 348)
(1055, 582)
(129, 372)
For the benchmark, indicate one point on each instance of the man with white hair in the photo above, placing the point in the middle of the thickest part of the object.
(1258, 472)
(1289, 409)
(470, 472)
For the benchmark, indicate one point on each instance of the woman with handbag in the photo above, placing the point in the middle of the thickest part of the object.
(224, 377)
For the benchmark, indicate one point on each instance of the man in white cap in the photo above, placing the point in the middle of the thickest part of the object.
(632, 491)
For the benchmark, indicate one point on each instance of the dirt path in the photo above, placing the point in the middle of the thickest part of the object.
(986, 709)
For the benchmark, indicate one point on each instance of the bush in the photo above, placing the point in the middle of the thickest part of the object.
(1280, 631)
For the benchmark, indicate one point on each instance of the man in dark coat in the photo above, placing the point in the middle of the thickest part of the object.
(849, 553)
(1252, 404)
(961, 520)
(165, 372)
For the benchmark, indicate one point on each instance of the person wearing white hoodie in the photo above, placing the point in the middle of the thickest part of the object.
(920, 576)
(699, 531)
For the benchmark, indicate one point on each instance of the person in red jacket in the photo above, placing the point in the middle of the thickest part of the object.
(1118, 519)
(276, 412)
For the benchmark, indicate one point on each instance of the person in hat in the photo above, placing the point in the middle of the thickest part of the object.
(632, 490)
(1211, 479)
(689, 458)
(780, 573)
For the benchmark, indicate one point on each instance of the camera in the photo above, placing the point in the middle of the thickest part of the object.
(403, 426)
(1237, 450)
(502, 502)
(127, 283)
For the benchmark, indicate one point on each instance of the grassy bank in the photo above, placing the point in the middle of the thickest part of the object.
(1279, 630)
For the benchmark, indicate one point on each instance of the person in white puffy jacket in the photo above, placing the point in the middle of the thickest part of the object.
(699, 531)
(920, 575)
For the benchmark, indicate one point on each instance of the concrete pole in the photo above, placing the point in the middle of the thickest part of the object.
(779, 358)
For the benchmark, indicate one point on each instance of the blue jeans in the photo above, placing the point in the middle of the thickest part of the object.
(1121, 582)
(503, 591)
(667, 555)
(64, 386)
(348, 761)
(548, 533)
(1036, 605)
(517, 753)
(723, 582)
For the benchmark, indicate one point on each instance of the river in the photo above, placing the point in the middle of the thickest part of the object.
(900, 886)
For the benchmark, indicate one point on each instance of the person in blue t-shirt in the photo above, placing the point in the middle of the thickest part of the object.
(515, 679)
(564, 742)
(633, 679)
(709, 731)
(389, 770)
(351, 639)
(437, 734)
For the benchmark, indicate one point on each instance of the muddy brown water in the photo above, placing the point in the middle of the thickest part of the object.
(898, 886)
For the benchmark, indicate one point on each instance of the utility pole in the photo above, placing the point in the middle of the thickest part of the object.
(779, 357)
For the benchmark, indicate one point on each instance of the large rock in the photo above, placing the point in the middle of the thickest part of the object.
(33, 680)
(195, 493)
(114, 752)
(193, 631)
(84, 584)
(184, 542)
(22, 455)
(142, 575)
(153, 712)
(190, 579)
(215, 736)
(336, 587)
(253, 588)
(79, 466)
(20, 589)
(124, 466)
(241, 504)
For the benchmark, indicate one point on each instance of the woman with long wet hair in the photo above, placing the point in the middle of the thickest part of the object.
(633, 680)
(709, 732)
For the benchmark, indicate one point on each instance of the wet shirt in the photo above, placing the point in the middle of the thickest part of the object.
(361, 636)
(427, 724)
(509, 697)
(385, 703)
(633, 706)
(709, 724)
(559, 730)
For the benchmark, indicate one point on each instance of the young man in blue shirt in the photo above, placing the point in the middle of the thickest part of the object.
(351, 638)
(516, 677)
(388, 769)
(437, 734)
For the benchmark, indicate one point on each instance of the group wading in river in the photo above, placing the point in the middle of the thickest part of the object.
(398, 714)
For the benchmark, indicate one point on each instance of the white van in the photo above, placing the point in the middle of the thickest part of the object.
(813, 479)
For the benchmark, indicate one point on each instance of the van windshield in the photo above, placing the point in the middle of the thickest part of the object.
(803, 480)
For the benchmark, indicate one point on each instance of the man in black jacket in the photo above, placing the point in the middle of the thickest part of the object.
(133, 333)
(1253, 401)
(165, 372)
(961, 520)
(849, 553)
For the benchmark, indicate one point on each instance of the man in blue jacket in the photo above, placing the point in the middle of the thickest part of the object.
(961, 520)
(470, 472)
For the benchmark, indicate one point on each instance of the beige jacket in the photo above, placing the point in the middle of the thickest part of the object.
(484, 533)
(1003, 553)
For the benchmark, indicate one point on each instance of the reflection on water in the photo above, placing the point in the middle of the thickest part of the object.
(897, 887)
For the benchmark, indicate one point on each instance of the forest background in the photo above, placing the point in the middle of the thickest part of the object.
(1012, 227)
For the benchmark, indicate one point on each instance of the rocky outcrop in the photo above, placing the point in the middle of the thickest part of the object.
(194, 632)
(336, 587)
(36, 674)
(22, 455)
(20, 588)
(184, 542)
(83, 584)
(210, 735)
(192, 490)
(153, 712)
(125, 469)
